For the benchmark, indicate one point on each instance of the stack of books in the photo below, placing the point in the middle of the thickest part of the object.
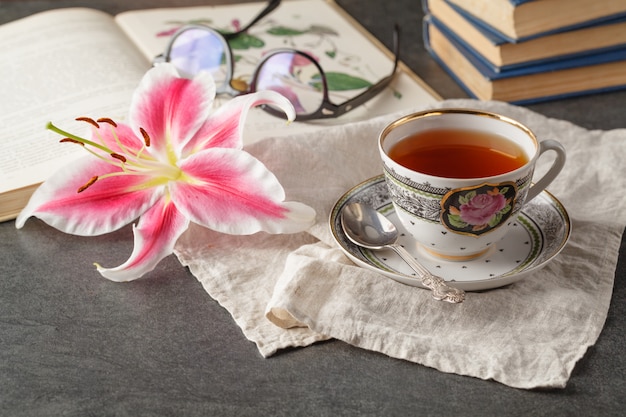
(524, 51)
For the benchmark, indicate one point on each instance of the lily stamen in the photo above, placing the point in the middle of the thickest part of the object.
(70, 140)
(107, 120)
(146, 137)
(88, 120)
(130, 163)
(88, 184)
(119, 157)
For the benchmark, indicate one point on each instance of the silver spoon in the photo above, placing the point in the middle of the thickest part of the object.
(368, 228)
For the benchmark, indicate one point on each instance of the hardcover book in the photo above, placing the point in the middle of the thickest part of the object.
(520, 19)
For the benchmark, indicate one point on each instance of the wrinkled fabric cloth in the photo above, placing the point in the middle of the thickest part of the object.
(293, 290)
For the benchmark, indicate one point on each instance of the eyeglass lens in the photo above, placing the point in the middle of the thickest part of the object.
(296, 77)
(196, 50)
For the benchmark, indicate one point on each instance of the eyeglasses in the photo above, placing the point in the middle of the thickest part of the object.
(295, 74)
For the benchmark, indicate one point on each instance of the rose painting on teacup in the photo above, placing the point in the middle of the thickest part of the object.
(478, 210)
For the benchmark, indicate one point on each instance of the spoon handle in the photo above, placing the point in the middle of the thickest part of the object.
(440, 290)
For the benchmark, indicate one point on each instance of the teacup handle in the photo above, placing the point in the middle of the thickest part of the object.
(557, 166)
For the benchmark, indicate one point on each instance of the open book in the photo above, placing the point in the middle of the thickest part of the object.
(66, 63)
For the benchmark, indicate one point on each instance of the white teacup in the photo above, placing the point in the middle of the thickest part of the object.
(454, 210)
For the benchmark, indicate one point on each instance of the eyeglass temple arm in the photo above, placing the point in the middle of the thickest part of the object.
(376, 88)
(273, 4)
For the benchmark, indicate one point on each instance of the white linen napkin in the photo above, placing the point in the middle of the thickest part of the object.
(293, 290)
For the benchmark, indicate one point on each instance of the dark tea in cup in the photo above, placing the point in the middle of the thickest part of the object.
(457, 153)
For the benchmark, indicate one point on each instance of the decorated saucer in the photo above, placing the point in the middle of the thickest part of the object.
(541, 231)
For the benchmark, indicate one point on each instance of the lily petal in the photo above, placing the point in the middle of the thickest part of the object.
(171, 109)
(105, 206)
(155, 235)
(224, 129)
(291, 96)
(230, 191)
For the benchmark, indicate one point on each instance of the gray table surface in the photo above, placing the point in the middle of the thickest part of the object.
(75, 344)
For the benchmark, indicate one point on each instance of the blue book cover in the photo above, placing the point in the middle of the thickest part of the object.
(494, 76)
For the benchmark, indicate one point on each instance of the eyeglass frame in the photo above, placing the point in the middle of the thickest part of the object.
(327, 108)
(161, 58)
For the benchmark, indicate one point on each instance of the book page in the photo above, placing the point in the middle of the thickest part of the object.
(56, 66)
(313, 26)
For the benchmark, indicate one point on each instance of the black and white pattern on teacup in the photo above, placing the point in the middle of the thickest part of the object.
(423, 200)
(425, 188)
(420, 200)
(424, 208)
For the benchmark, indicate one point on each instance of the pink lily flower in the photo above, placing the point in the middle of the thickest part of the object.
(174, 163)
